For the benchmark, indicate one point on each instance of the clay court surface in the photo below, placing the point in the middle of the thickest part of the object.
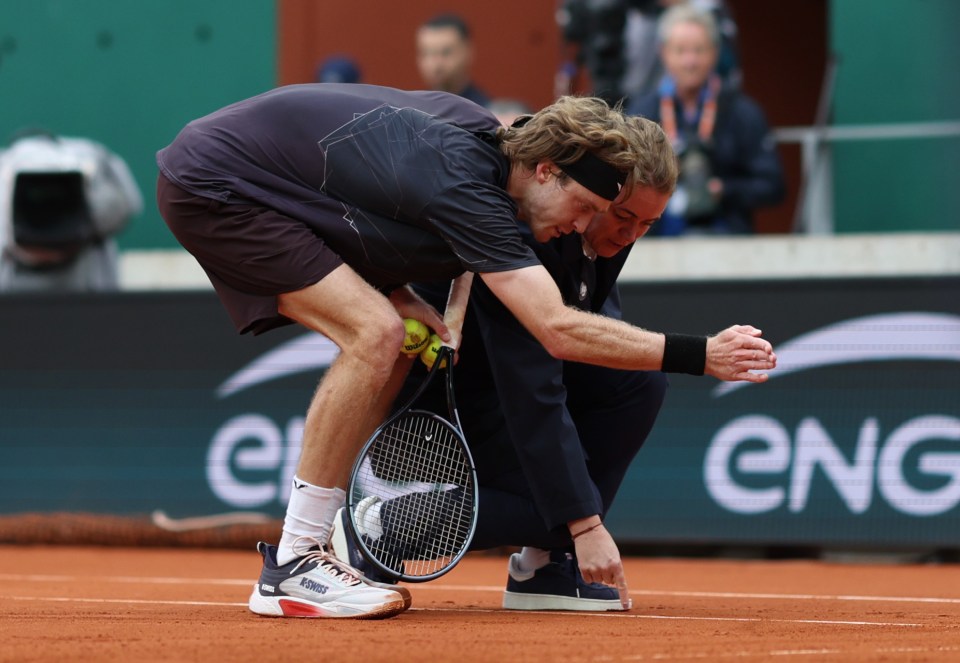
(124, 604)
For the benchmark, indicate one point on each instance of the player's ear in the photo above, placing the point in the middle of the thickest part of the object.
(544, 170)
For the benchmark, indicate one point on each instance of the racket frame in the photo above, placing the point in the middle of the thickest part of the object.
(455, 311)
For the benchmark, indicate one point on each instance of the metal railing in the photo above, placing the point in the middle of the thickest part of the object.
(815, 206)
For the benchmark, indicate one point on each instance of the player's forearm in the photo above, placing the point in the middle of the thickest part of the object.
(574, 335)
(570, 334)
(736, 353)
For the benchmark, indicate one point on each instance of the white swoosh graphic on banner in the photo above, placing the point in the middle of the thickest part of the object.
(308, 352)
(883, 337)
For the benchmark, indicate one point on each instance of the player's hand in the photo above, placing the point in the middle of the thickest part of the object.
(599, 561)
(410, 305)
(735, 352)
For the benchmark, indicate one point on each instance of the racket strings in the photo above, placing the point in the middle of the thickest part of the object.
(420, 471)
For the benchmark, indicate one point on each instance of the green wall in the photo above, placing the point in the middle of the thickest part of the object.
(899, 62)
(130, 74)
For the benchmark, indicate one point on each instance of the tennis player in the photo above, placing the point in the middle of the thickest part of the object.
(317, 204)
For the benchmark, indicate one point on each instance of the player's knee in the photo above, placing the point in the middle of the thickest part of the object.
(380, 342)
(391, 335)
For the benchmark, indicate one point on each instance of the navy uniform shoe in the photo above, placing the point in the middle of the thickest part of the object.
(345, 547)
(320, 585)
(556, 586)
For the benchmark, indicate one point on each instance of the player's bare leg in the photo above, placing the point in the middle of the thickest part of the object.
(297, 579)
(351, 400)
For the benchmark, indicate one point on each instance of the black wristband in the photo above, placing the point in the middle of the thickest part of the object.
(683, 353)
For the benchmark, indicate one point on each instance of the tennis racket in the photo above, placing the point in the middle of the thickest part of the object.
(412, 497)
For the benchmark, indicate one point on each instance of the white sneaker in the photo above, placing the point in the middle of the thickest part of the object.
(320, 585)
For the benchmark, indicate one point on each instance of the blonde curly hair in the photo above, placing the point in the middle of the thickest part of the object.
(572, 126)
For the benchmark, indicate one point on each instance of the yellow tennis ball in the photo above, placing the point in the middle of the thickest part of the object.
(429, 355)
(417, 337)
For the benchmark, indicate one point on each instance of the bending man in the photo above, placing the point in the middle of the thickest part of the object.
(318, 203)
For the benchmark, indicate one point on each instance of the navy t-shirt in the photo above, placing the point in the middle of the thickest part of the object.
(403, 185)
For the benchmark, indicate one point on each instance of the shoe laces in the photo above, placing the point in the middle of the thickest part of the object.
(326, 561)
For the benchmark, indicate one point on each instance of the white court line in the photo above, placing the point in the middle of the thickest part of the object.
(732, 654)
(66, 599)
(161, 580)
(739, 595)
(776, 652)
(555, 613)
(623, 615)
(137, 580)
(800, 597)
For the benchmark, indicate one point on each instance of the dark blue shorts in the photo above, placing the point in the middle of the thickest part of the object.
(250, 253)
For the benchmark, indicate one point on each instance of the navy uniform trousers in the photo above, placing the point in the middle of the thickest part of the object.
(613, 412)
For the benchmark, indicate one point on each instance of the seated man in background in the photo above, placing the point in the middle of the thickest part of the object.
(552, 439)
(445, 56)
(729, 164)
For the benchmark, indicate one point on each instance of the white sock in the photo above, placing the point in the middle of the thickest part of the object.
(310, 513)
(532, 559)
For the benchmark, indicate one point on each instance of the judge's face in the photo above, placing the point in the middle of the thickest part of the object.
(625, 221)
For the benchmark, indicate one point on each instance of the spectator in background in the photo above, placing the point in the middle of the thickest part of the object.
(338, 69)
(445, 57)
(62, 202)
(729, 165)
(616, 43)
(643, 67)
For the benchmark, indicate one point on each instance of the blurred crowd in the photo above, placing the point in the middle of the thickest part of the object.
(64, 200)
(673, 61)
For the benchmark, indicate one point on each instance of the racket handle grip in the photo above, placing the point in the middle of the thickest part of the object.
(457, 307)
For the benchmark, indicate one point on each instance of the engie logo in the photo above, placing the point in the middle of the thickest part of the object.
(752, 448)
(252, 444)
